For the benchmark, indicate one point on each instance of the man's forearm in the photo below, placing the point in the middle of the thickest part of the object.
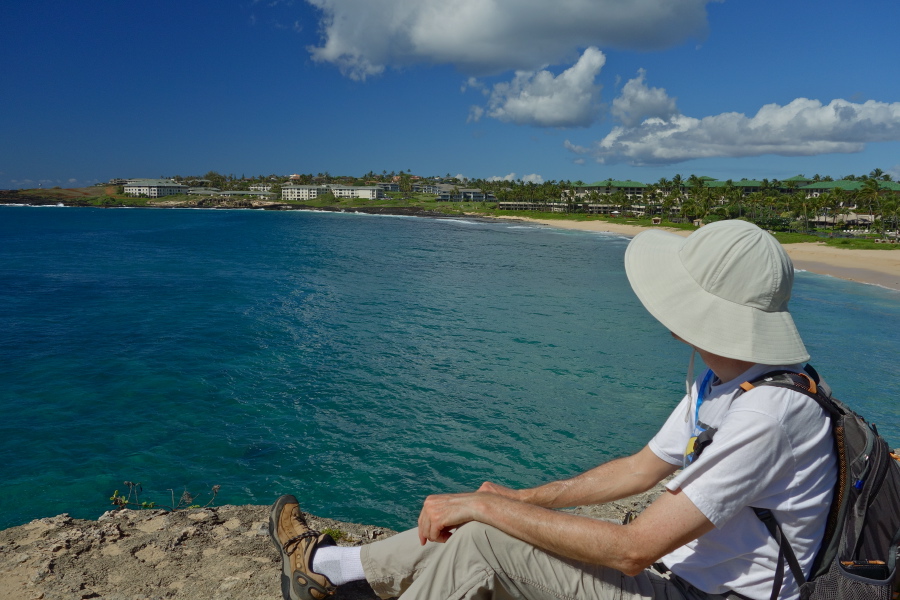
(614, 480)
(670, 522)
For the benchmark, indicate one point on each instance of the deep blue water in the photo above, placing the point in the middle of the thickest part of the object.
(359, 362)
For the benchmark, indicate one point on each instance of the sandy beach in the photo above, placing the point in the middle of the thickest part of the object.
(875, 267)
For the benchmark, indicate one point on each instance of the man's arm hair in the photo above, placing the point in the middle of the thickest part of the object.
(670, 522)
(614, 480)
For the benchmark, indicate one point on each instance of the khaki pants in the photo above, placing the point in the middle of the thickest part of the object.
(482, 562)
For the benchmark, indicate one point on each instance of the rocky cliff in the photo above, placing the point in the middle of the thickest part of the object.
(210, 553)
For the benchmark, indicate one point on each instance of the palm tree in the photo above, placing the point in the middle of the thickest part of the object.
(890, 209)
(870, 195)
(663, 184)
(695, 184)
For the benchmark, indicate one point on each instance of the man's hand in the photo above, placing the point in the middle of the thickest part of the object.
(441, 513)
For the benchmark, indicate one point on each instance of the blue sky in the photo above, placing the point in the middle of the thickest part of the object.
(530, 89)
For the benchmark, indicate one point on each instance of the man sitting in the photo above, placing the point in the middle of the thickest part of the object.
(723, 291)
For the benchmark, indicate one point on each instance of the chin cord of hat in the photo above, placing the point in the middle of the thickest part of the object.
(689, 382)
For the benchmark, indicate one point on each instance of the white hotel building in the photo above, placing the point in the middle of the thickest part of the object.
(302, 193)
(154, 188)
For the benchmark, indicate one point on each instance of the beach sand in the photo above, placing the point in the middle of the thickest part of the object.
(875, 267)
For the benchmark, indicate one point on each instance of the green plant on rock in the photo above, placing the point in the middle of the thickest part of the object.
(336, 534)
(132, 500)
(134, 491)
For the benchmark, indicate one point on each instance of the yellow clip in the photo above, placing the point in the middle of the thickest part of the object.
(747, 386)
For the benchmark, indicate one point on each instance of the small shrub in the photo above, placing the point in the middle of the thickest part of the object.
(336, 534)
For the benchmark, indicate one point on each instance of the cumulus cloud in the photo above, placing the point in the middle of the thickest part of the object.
(533, 178)
(637, 102)
(652, 131)
(544, 100)
(475, 114)
(486, 37)
(510, 177)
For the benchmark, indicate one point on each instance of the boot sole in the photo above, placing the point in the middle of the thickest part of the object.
(285, 559)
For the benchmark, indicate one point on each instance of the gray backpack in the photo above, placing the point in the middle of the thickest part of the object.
(858, 556)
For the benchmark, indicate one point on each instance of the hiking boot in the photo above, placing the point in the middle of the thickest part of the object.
(296, 542)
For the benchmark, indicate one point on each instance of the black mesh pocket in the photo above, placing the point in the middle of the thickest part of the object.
(851, 583)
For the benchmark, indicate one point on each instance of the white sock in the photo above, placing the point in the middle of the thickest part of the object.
(340, 564)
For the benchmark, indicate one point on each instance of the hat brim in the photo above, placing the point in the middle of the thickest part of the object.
(701, 318)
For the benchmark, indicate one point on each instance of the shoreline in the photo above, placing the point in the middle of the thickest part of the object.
(871, 267)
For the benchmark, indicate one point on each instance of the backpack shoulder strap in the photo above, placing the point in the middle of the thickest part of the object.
(785, 552)
(806, 383)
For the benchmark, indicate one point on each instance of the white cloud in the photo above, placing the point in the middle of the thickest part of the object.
(533, 178)
(544, 100)
(475, 114)
(652, 131)
(483, 37)
(575, 148)
(474, 83)
(637, 102)
(510, 177)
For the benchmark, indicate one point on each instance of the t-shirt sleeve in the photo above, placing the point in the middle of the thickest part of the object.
(750, 454)
(669, 442)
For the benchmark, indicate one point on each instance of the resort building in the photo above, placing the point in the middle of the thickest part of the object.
(200, 191)
(425, 188)
(303, 193)
(632, 189)
(451, 193)
(153, 188)
(814, 190)
(350, 191)
(747, 186)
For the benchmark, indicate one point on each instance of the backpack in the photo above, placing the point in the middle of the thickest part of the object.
(858, 556)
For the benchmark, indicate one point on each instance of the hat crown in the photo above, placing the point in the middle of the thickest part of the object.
(740, 263)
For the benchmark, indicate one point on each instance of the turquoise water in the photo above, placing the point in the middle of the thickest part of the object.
(359, 362)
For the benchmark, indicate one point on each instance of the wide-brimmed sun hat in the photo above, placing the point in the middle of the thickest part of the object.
(723, 289)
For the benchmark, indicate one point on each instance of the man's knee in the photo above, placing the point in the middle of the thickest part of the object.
(480, 543)
(475, 533)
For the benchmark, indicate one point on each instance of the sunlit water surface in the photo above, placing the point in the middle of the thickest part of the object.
(358, 362)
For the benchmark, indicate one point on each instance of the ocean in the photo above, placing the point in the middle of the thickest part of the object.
(359, 362)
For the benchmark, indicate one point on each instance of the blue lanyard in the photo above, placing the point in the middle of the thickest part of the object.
(701, 392)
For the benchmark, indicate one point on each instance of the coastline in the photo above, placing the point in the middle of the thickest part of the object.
(872, 267)
(219, 552)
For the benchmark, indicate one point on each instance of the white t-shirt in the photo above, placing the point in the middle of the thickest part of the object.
(773, 449)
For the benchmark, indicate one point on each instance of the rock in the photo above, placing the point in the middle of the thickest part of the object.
(217, 552)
